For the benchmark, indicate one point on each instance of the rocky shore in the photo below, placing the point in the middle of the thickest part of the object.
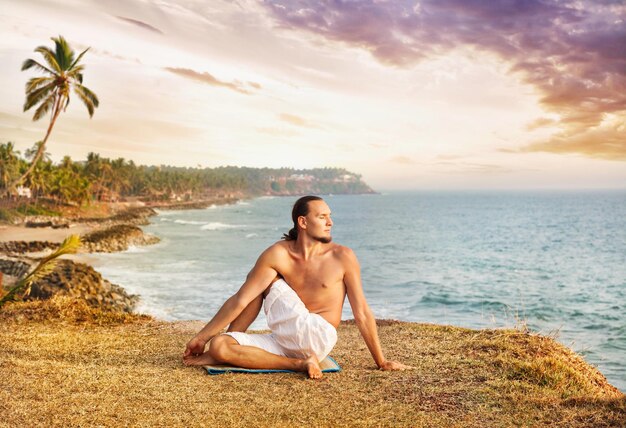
(113, 233)
(81, 281)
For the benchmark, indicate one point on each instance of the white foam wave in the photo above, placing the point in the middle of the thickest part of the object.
(216, 225)
(135, 249)
(251, 235)
(179, 221)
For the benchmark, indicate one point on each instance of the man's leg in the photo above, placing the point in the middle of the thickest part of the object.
(225, 349)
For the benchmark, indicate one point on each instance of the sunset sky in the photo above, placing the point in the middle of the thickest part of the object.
(441, 94)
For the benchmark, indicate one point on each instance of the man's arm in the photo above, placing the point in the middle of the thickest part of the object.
(256, 282)
(363, 315)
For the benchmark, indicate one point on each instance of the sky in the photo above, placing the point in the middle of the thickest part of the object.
(436, 94)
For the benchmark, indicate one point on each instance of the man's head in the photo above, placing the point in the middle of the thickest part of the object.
(311, 216)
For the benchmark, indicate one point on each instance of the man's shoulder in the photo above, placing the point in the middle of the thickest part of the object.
(279, 247)
(343, 252)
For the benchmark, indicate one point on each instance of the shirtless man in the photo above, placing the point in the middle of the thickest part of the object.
(309, 278)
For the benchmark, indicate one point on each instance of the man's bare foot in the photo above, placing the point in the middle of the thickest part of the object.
(199, 360)
(312, 367)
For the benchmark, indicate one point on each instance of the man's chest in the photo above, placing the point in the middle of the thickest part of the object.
(313, 274)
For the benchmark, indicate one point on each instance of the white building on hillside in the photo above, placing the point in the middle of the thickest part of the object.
(23, 192)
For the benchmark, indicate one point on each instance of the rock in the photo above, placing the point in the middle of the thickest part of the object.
(22, 247)
(82, 281)
(135, 216)
(38, 224)
(116, 238)
(14, 267)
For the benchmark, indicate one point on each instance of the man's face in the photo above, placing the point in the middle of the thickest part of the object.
(318, 222)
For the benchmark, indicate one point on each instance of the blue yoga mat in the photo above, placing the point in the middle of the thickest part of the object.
(328, 365)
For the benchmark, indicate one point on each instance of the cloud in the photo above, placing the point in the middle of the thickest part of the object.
(573, 53)
(472, 168)
(209, 79)
(278, 132)
(140, 24)
(540, 123)
(607, 142)
(296, 120)
(402, 160)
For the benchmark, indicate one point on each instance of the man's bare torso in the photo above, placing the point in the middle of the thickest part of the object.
(318, 281)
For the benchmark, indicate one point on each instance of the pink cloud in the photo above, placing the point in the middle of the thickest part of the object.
(573, 53)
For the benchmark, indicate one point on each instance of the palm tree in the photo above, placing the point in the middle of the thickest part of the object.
(52, 92)
(32, 152)
(9, 164)
(39, 179)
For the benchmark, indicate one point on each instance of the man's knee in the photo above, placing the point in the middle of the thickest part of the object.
(219, 348)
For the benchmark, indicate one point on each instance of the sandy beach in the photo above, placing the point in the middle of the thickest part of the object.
(21, 233)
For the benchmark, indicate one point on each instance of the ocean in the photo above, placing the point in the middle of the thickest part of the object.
(552, 260)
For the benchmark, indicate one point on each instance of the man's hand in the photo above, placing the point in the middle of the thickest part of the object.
(195, 347)
(394, 365)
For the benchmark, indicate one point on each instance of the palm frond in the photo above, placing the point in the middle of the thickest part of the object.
(70, 245)
(88, 103)
(50, 58)
(44, 107)
(78, 59)
(76, 75)
(64, 54)
(87, 97)
(34, 97)
(44, 268)
(93, 97)
(76, 70)
(29, 63)
(37, 82)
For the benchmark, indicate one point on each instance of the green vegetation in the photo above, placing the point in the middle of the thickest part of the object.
(101, 179)
(52, 91)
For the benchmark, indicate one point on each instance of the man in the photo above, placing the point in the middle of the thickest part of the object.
(308, 277)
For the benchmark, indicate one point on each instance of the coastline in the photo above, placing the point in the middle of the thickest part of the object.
(22, 245)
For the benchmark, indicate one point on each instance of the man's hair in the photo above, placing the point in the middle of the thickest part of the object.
(300, 208)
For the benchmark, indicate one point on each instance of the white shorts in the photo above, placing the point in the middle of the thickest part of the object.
(296, 333)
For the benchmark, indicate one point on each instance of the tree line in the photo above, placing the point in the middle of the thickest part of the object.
(101, 179)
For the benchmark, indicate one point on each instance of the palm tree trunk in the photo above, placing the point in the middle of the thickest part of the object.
(40, 150)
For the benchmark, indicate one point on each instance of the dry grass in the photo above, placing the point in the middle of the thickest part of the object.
(66, 364)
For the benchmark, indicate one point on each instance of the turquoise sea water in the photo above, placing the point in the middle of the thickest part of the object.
(554, 260)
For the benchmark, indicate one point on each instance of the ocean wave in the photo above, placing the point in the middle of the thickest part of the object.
(179, 221)
(251, 235)
(135, 249)
(216, 225)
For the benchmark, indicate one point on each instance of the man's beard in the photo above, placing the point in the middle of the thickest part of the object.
(323, 239)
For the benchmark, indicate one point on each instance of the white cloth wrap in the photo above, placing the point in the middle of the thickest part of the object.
(296, 332)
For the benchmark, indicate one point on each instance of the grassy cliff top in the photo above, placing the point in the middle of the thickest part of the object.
(63, 363)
